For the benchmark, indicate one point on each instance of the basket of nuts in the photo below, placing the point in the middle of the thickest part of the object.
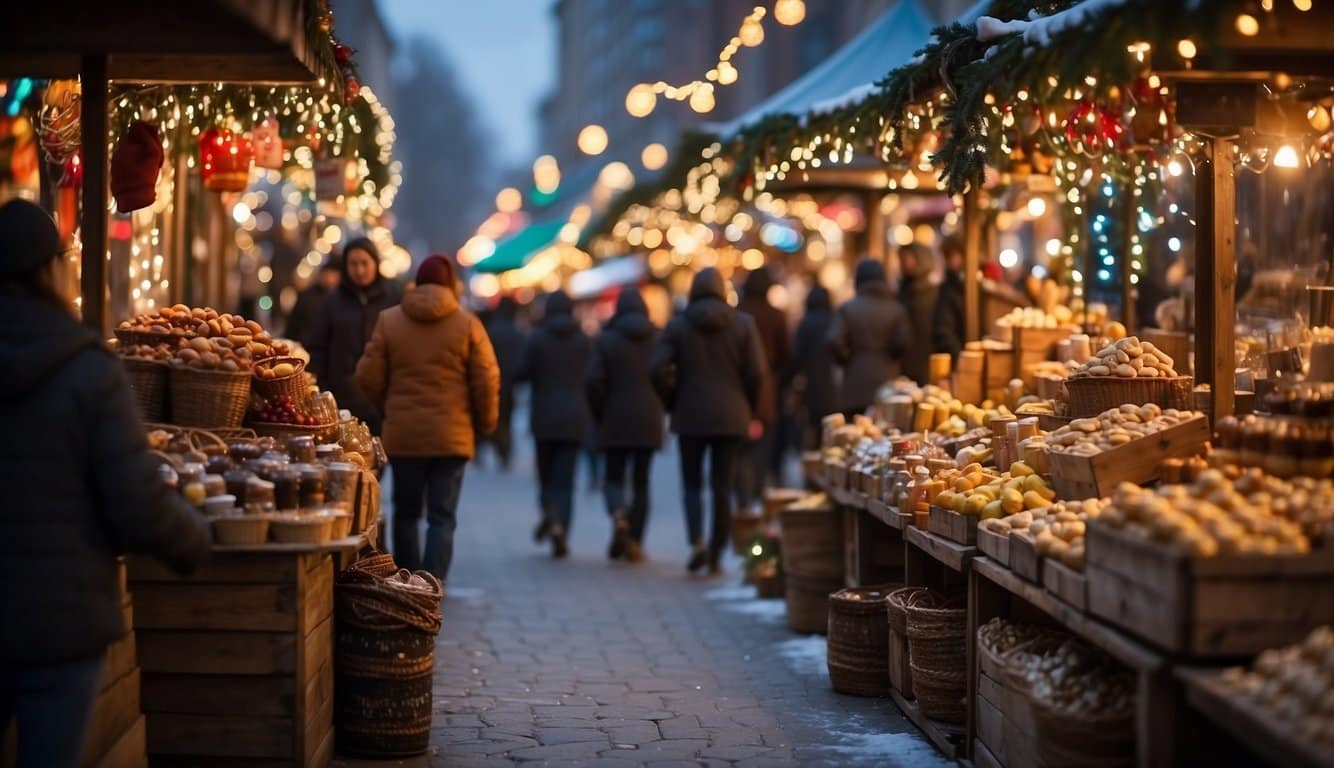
(210, 383)
(146, 368)
(279, 376)
(1127, 371)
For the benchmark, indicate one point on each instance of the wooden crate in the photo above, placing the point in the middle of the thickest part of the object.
(1084, 477)
(238, 660)
(1065, 583)
(1033, 346)
(994, 546)
(999, 366)
(1024, 559)
(1005, 722)
(952, 525)
(1213, 606)
(1272, 738)
(900, 677)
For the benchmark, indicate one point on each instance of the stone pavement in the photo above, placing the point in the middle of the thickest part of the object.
(585, 662)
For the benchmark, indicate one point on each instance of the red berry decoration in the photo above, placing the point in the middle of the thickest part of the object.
(342, 54)
(351, 88)
(1091, 129)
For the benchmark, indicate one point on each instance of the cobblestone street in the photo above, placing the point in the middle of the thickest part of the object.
(587, 662)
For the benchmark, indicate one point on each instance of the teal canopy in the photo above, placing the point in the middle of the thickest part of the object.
(515, 251)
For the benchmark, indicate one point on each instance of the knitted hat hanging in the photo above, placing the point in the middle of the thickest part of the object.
(135, 164)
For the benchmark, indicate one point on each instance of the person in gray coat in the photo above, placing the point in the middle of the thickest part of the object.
(709, 367)
(553, 362)
(868, 338)
(81, 489)
(628, 415)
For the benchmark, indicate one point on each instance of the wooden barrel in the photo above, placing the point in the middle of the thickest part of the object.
(382, 691)
(858, 654)
(775, 499)
(812, 565)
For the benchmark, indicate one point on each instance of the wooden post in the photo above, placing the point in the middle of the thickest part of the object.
(1216, 275)
(1128, 289)
(972, 263)
(93, 217)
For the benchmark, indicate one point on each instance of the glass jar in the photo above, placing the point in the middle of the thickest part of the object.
(214, 485)
(329, 453)
(260, 496)
(167, 474)
(918, 487)
(301, 448)
(243, 452)
(287, 490)
(1283, 458)
(313, 480)
(341, 487)
(218, 464)
(236, 481)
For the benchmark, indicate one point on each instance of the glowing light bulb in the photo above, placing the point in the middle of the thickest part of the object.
(641, 100)
(509, 200)
(654, 156)
(701, 100)
(752, 32)
(1186, 48)
(1248, 25)
(1286, 157)
(727, 73)
(789, 13)
(592, 139)
(1036, 207)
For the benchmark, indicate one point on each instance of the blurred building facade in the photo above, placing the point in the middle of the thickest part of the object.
(605, 47)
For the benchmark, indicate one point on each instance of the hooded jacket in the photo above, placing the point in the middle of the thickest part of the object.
(771, 324)
(554, 361)
(508, 339)
(811, 358)
(430, 371)
(343, 326)
(712, 360)
(867, 338)
(619, 383)
(80, 486)
(918, 297)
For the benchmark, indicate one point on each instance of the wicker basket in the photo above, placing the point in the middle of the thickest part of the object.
(382, 692)
(132, 337)
(148, 381)
(900, 674)
(1091, 395)
(209, 398)
(937, 646)
(321, 432)
(293, 386)
(858, 649)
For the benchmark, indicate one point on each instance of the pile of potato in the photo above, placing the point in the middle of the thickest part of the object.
(1127, 358)
(1058, 530)
(208, 354)
(1295, 684)
(1002, 635)
(1114, 427)
(179, 324)
(977, 492)
(147, 351)
(1306, 501)
(1073, 678)
(1204, 519)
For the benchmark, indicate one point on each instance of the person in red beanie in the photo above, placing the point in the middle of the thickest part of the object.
(430, 371)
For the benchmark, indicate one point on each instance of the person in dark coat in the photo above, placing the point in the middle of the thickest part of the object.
(765, 450)
(628, 416)
(302, 317)
(507, 338)
(918, 296)
(812, 364)
(867, 338)
(553, 362)
(344, 324)
(709, 368)
(947, 318)
(81, 488)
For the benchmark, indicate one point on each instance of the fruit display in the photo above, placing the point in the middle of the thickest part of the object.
(841, 437)
(179, 322)
(1127, 358)
(1001, 635)
(213, 354)
(1058, 529)
(282, 410)
(976, 492)
(1209, 517)
(1034, 317)
(277, 370)
(1306, 501)
(1114, 427)
(1294, 684)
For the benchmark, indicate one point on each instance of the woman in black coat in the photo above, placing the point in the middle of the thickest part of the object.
(709, 366)
(947, 318)
(553, 362)
(344, 324)
(812, 361)
(867, 338)
(629, 417)
(918, 297)
(81, 488)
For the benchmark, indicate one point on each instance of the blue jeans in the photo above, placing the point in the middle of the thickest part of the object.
(52, 704)
(438, 481)
(556, 460)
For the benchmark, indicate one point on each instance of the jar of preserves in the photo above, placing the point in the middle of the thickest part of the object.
(301, 448)
(260, 496)
(313, 478)
(287, 490)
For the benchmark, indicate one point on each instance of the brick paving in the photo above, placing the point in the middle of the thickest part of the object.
(585, 662)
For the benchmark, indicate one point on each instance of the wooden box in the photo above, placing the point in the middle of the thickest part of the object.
(1004, 722)
(999, 366)
(994, 545)
(951, 525)
(1229, 605)
(968, 382)
(1024, 559)
(1176, 344)
(238, 660)
(1067, 584)
(900, 678)
(1033, 346)
(1084, 477)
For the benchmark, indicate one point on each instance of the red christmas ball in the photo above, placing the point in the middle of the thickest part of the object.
(342, 54)
(1091, 129)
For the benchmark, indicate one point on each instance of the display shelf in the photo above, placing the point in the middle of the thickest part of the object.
(884, 513)
(350, 543)
(946, 737)
(951, 554)
(1267, 734)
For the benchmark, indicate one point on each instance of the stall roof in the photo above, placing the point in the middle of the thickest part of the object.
(888, 43)
(515, 251)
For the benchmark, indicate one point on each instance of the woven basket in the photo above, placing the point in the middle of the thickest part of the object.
(897, 602)
(1091, 395)
(937, 647)
(382, 690)
(293, 386)
(858, 648)
(148, 382)
(209, 398)
(321, 432)
(808, 601)
(131, 337)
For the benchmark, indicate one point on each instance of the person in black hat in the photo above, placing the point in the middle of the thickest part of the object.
(81, 489)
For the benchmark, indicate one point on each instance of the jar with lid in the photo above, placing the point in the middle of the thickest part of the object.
(192, 473)
(286, 489)
(341, 488)
(214, 485)
(167, 474)
(301, 448)
(260, 496)
(236, 481)
(911, 464)
(895, 480)
(329, 453)
(218, 464)
(917, 490)
(313, 479)
(243, 452)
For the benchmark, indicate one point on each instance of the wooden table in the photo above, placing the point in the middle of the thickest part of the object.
(238, 659)
(1268, 736)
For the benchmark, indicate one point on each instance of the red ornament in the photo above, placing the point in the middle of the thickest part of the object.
(1091, 129)
(72, 172)
(224, 160)
(134, 167)
(351, 88)
(342, 54)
